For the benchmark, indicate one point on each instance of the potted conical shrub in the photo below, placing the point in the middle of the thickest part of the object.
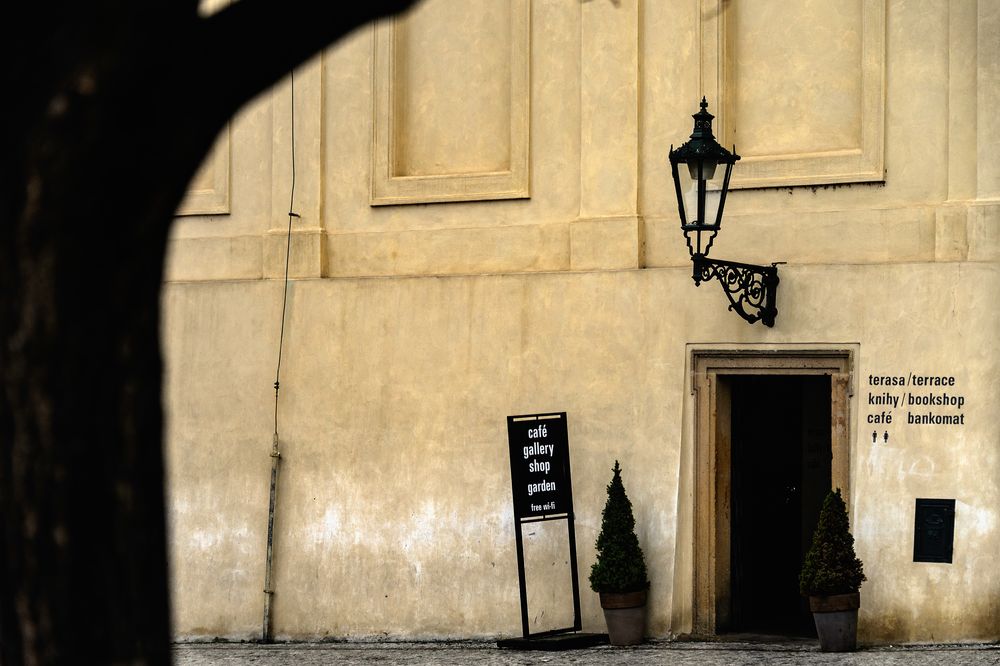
(619, 574)
(831, 577)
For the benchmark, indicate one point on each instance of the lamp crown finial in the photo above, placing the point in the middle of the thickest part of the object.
(703, 121)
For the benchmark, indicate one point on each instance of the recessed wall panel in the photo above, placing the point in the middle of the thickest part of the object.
(452, 85)
(451, 101)
(208, 193)
(798, 88)
(796, 84)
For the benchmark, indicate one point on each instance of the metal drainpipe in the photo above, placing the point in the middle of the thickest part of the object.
(268, 591)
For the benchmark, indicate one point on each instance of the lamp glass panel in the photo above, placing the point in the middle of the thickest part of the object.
(689, 193)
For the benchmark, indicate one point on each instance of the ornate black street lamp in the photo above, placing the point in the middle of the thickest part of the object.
(751, 289)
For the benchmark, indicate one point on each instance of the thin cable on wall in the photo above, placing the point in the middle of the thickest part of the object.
(275, 454)
(288, 253)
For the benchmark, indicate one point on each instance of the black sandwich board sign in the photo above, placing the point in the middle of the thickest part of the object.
(542, 490)
(539, 466)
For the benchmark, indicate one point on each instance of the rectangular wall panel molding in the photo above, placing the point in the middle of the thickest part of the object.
(798, 88)
(450, 105)
(208, 193)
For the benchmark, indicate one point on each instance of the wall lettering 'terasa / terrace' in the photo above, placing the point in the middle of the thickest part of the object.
(915, 399)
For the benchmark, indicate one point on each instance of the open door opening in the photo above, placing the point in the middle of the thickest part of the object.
(780, 473)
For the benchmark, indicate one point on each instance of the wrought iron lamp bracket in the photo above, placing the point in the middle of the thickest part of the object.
(697, 230)
(751, 289)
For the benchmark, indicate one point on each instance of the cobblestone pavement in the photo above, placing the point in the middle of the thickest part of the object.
(487, 654)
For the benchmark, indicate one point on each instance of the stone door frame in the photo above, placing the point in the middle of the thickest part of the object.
(712, 455)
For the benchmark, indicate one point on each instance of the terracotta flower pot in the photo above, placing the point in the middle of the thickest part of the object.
(625, 614)
(836, 618)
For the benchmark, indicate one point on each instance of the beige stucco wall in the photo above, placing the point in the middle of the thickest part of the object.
(414, 330)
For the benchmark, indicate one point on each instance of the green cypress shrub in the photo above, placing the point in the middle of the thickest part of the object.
(620, 566)
(831, 566)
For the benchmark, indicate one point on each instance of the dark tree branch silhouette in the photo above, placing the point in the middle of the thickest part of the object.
(109, 110)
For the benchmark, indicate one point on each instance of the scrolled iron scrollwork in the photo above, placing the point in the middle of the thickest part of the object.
(749, 288)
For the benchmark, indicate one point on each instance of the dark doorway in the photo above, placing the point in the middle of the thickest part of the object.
(781, 457)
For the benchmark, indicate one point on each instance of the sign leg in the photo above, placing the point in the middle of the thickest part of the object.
(520, 577)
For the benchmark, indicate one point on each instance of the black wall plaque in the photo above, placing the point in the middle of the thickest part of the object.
(934, 530)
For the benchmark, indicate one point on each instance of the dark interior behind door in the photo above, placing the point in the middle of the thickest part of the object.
(780, 474)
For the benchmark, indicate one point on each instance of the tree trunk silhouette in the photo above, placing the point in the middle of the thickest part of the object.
(111, 109)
